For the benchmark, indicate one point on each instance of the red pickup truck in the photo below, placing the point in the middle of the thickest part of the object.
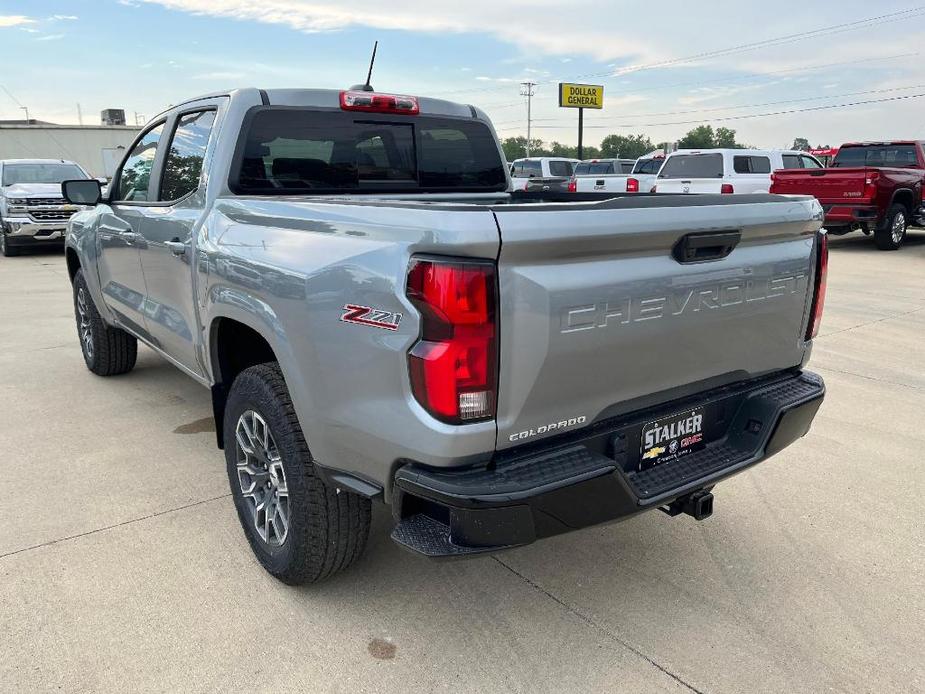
(872, 186)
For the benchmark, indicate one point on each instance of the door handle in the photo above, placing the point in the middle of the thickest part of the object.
(697, 248)
(176, 246)
(128, 236)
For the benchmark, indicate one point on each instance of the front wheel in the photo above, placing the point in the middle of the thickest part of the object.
(107, 351)
(890, 235)
(8, 250)
(300, 529)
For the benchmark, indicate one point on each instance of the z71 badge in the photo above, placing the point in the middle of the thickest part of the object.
(373, 317)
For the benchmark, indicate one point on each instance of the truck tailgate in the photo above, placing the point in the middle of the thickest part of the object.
(827, 185)
(597, 316)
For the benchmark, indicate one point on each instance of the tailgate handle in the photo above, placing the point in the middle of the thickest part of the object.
(698, 248)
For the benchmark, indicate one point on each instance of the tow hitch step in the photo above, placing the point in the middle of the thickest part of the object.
(698, 505)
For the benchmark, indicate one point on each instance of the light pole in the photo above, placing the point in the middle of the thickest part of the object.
(26, 109)
(526, 89)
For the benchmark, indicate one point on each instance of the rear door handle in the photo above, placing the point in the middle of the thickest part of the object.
(699, 248)
(176, 246)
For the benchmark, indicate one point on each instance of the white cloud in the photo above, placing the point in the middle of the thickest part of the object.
(50, 37)
(64, 17)
(14, 20)
(219, 76)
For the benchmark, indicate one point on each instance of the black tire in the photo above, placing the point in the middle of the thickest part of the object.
(6, 248)
(891, 233)
(107, 351)
(327, 530)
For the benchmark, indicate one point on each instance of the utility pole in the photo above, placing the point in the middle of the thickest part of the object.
(26, 109)
(80, 115)
(526, 89)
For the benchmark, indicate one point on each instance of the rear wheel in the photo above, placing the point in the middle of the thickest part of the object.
(107, 351)
(891, 233)
(300, 529)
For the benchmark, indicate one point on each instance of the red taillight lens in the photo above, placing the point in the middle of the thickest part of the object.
(870, 184)
(727, 189)
(822, 271)
(454, 364)
(573, 185)
(371, 102)
(632, 185)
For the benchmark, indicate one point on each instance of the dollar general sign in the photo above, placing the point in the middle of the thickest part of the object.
(581, 95)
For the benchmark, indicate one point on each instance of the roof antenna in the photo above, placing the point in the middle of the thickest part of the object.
(369, 75)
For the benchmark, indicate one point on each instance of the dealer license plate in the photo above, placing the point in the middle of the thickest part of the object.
(670, 438)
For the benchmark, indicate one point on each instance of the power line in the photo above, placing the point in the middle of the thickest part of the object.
(745, 47)
(741, 106)
(750, 115)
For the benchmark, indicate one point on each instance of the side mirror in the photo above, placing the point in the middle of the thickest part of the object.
(82, 191)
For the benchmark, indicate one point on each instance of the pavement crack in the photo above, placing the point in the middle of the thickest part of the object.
(115, 525)
(871, 378)
(873, 322)
(604, 630)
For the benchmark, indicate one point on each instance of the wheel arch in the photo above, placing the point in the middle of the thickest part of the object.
(234, 345)
(73, 262)
(906, 198)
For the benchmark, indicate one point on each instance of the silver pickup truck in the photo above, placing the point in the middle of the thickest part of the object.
(378, 318)
(32, 212)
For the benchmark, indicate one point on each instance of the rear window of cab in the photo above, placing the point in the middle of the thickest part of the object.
(693, 166)
(285, 150)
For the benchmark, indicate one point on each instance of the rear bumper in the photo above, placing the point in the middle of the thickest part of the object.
(846, 215)
(595, 478)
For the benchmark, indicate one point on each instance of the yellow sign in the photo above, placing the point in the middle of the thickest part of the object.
(581, 95)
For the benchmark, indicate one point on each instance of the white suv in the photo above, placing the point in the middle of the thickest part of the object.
(727, 170)
(522, 170)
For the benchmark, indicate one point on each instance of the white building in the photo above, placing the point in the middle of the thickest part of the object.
(97, 148)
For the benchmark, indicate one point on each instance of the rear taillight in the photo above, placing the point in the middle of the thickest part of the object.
(870, 184)
(632, 185)
(372, 102)
(822, 270)
(454, 364)
(727, 189)
(573, 185)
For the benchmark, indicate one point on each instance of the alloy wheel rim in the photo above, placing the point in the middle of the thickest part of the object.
(899, 227)
(83, 314)
(261, 478)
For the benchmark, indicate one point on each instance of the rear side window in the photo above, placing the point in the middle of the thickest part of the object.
(693, 166)
(183, 165)
(876, 155)
(135, 176)
(792, 161)
(295, 150)
(648, 166)
(533, 167)
(751, 165)
(560, 168)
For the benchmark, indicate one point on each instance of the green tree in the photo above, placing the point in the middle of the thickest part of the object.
(516, 147)
(701, 137)
(726, 139)
(801, 144)
(625, 146)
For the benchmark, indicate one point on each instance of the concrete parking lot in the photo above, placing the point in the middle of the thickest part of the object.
(122, 565)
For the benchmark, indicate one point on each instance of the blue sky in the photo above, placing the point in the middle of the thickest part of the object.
(142, 55)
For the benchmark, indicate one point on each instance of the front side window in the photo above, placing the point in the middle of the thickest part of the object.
(810, 162)
(560, 168)
(751, 165)
(41, 173)
(136, 171)
(648, 166)
(183, 165)
(295, 150)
